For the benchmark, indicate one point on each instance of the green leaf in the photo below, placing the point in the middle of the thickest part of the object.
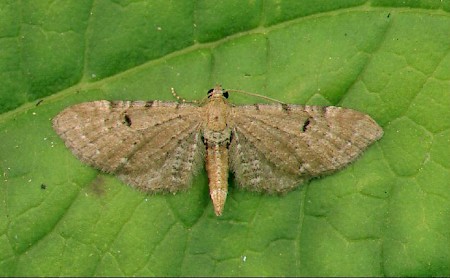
(386, 214)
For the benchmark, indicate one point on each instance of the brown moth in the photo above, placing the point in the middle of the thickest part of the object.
(158, 146)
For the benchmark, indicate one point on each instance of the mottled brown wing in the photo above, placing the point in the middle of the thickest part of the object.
(153, 146)
(275, 148)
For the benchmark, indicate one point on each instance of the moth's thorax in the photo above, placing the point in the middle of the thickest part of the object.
(217, 113)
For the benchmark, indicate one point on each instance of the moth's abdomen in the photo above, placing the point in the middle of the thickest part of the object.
(217, 168)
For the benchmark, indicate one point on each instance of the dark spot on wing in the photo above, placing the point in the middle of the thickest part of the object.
(115, 104)
(285, 107)
(127, 120)
(306, 124)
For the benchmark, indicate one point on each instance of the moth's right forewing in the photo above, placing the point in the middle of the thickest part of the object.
(154, 146)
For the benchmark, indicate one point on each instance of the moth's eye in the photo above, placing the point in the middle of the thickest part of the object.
(225, 94)
(209, 92)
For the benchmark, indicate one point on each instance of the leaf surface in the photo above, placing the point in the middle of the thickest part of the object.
(386, 214)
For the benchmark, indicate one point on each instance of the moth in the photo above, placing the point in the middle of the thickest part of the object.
(158, 146)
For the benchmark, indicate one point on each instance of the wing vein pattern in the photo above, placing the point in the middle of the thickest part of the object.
(277, 147)
(153, 146)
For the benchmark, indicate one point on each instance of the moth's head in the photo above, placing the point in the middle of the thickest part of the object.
(217, 92)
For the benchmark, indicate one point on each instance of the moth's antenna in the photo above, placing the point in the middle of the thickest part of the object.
(256, 95)
(180, 99)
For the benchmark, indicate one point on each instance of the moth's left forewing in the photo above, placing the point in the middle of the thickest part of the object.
(272, 130)
(305, 141)
(261, 155)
